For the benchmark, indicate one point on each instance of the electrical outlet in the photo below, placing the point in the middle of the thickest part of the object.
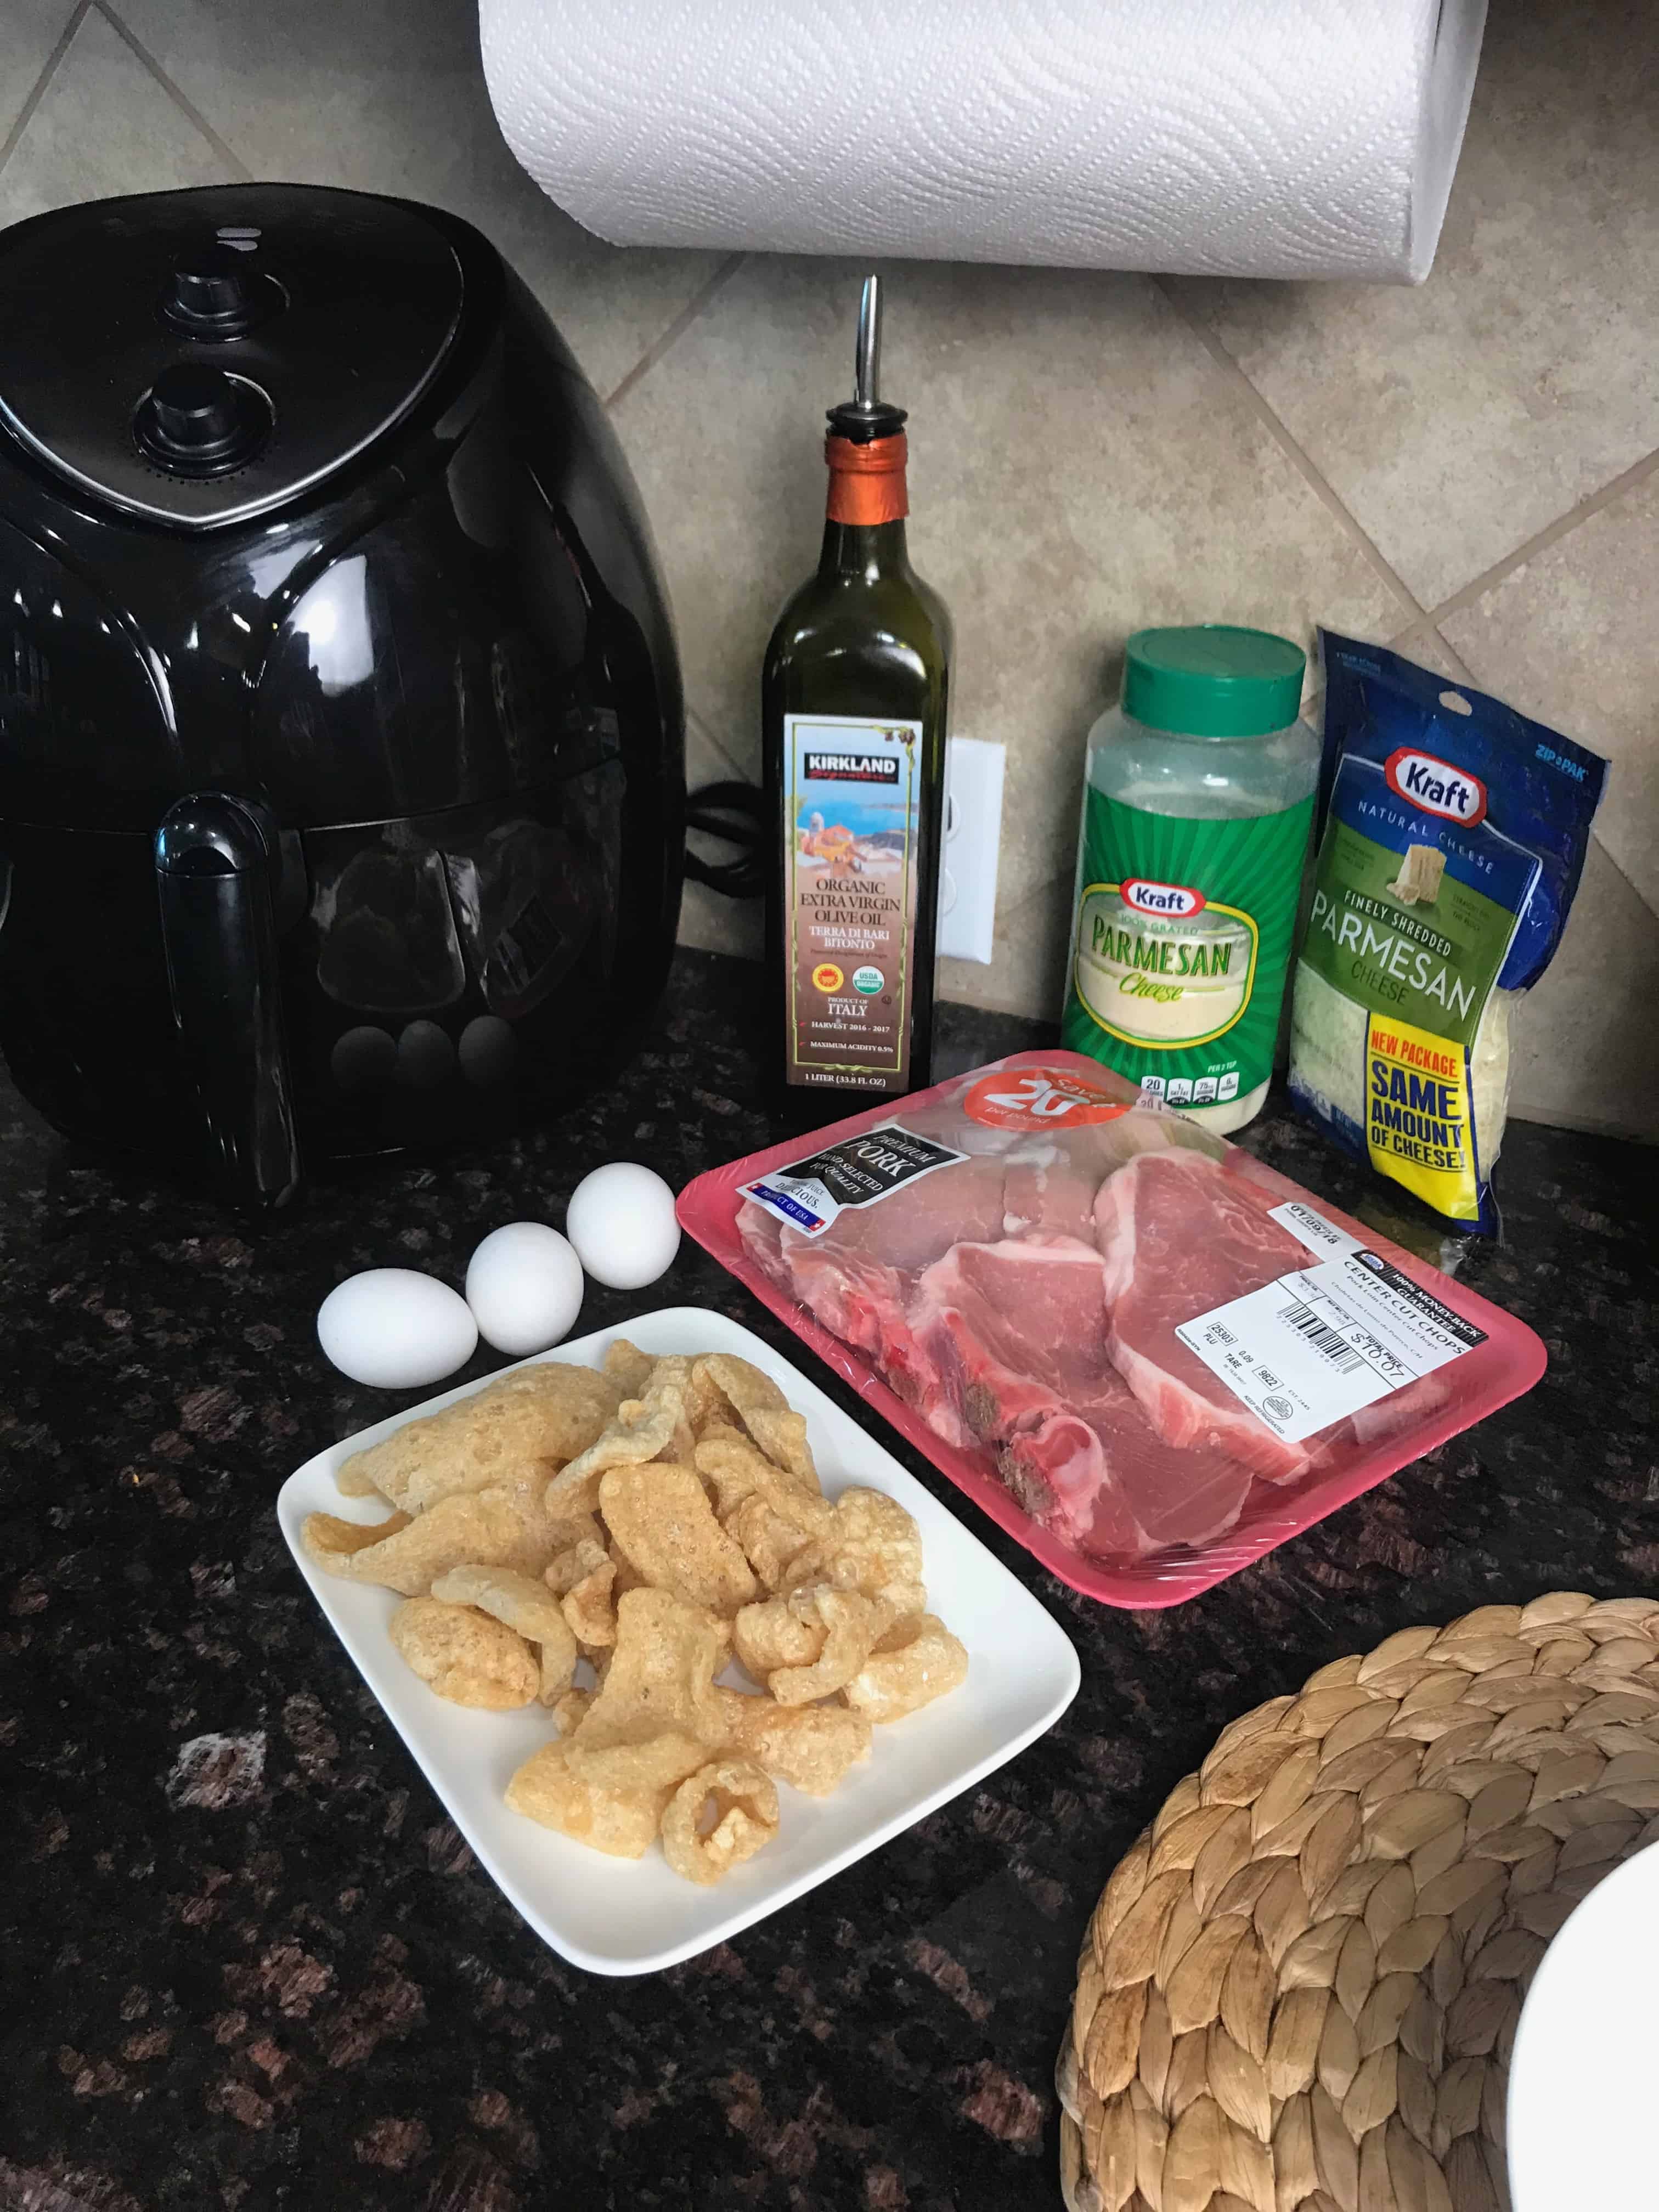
(973, 835)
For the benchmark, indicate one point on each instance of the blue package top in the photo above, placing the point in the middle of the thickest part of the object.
(1541, 788)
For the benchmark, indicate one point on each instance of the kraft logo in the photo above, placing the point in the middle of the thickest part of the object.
(1438, 789)
(1148, 897)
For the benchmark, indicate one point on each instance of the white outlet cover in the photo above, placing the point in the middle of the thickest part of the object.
(973, 837)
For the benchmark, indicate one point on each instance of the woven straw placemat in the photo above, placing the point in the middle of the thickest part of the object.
(1300, 1987)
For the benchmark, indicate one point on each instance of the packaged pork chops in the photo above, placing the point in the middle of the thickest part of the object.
(1146, 1355)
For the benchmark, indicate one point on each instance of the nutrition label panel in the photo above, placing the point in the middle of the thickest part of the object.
(1320, 1343)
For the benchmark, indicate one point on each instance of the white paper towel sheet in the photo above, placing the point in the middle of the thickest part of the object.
(1250, 137)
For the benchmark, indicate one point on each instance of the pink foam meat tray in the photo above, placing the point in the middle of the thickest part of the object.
(1509, 1361)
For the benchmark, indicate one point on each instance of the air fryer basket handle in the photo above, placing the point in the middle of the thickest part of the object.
(213, 873)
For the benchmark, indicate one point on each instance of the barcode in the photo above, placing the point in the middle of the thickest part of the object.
(1337, 1349)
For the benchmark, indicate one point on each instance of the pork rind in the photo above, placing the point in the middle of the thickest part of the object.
(896, 1680)
(641, 1429)
(720, 1431)
(777, 1633)
(706, 1404)
(528, 1423)
(612, 1798)
(571, 1710)
(660, 1518)
(791, 1629)
(570, 1529)
(653, 1722)
(524, 1604)
(765, 1412)
(475, 1528)
(590, 1607)
(331, 1541)
(742, 1384)
(464, 1656)
(661, 1674)
(769, 1543)
(871, 1545)
(739, 1806)
(853, 1624)
(738, 1468)
(808, 1747)
(782, 1438)
(576, 1562)
(629, 1367)
(628, 1575)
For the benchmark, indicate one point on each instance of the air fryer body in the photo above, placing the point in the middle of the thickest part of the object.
(341, 787)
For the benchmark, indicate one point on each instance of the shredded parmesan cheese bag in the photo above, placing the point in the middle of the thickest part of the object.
(1452, 836)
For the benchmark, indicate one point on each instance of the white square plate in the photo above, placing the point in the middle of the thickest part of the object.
(632, 1916)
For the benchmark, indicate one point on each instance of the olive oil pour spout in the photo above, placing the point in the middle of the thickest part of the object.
(866, 417)
(866, 363)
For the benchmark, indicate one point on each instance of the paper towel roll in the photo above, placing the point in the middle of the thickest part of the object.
(1248, 137)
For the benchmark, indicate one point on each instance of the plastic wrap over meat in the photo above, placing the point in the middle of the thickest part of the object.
(1012, 1267)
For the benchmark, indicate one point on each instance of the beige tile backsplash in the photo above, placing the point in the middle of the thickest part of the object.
(1456, 420)
(1571, 636)
(1470, 468)
(102, 125)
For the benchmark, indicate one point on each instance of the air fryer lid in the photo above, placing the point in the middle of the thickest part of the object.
(201, 356)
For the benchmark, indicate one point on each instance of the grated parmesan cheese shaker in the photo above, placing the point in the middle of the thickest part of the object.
(1197, 806)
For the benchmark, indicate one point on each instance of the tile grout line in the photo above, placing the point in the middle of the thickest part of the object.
(682, 322)
(1551, 534)
(739, 775)
(1291, 446)
(1402, 640)
(1635, 889)
(38, 92)
(143, 54)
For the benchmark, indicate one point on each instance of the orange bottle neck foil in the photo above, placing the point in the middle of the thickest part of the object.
(866, 482)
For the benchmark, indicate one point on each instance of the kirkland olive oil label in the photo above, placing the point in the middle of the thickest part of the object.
(1183, 931)
(1416, 899)
(853, 810)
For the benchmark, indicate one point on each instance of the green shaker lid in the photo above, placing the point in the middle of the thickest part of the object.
(1213, 680)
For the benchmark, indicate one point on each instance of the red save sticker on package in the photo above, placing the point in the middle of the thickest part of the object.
(1040, 1097)
(1146, 1355)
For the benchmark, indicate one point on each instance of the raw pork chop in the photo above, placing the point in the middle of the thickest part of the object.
(1179, 1237)
(1019, 1326)
(856, 1279)
(761, 1233)
(863, 1303)
(1052, 1180)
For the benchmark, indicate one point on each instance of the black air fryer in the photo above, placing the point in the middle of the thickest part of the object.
(341, 781)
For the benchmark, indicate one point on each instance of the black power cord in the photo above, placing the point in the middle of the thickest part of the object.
(733, 814)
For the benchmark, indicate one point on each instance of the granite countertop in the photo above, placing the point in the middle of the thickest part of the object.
(249, 1960)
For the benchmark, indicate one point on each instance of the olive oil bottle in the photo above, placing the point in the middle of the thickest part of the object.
(853, 707)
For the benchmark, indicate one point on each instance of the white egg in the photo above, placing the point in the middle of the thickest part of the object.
(525, 1286)
(620, 1220)
(396, 1329)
